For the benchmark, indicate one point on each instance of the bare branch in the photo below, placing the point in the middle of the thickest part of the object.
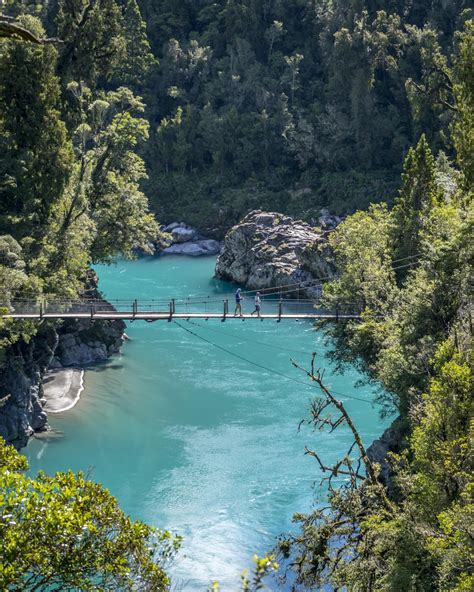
(335, 470)
(372, 477)
(10, 29)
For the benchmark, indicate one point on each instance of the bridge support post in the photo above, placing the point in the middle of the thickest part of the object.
(226, 310)
(280, 308)
(337, 313)
(41, 310)
(171, 312)
(134, 308)
(174, 305)
(92, 311)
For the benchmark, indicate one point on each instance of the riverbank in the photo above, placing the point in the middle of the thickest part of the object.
(62, 388)
(55, 346)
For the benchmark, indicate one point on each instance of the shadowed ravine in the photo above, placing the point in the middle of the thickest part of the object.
(195, 440)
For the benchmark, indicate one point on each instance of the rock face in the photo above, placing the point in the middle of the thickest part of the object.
(390, 441)
(72, 343)
(185, 240)
(83, 342)
(21, 412)
(328, 221)
(267, 249)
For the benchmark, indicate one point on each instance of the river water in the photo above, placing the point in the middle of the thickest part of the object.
(192, 439)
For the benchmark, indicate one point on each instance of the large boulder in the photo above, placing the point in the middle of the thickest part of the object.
(183, 234)
(182, 239)
(267, 249)
(195, 249)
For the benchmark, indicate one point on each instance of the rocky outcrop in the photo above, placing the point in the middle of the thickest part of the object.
(55, 345)
(81, 343)
(328, 221)
(390, 441)
(268, 249)
(20, 387)
(180, 232)
(185, 240)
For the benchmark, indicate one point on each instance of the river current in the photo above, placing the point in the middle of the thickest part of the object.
(193, 439)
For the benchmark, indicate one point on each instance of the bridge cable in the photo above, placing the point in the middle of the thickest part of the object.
(266, 368)
(310, 283)
(276, 290)
(234, 336)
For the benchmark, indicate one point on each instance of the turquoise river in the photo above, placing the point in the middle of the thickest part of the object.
(195, 440)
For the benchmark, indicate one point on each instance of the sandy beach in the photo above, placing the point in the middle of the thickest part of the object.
(62, 388)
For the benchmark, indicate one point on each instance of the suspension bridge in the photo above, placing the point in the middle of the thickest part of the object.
(276, 303)
(282, 302)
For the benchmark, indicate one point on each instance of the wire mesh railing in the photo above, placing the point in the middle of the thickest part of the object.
(214, 305)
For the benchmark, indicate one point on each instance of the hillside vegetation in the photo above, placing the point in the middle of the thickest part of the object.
(292, 105)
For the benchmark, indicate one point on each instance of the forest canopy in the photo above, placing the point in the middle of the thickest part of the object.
(292, 105)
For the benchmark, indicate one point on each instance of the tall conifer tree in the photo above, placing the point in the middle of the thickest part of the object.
(36, 159)
(417, 195)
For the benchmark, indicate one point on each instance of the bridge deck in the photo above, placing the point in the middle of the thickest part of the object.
(165, 316)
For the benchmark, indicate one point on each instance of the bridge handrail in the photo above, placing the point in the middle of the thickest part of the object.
(147, 306)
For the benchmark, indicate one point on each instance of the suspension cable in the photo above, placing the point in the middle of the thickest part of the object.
(220, 332)
(266, 368)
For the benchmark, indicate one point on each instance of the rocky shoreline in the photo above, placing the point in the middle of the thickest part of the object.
(57, 345)
(181, 239)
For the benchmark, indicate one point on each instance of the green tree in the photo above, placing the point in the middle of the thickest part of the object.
(418, 194)
(94, 39)
(363, 247)
(37, 157)
(135, 67)
(65, 532)
(463, 90)
(104, 195)
(293, 63)
(12, 269)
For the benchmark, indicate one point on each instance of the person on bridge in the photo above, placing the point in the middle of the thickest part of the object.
(258, 304)
(238, 302)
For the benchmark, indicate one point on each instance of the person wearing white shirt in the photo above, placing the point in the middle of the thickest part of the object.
(258, 304)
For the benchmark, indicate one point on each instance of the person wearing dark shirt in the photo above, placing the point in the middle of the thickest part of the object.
(238, 303)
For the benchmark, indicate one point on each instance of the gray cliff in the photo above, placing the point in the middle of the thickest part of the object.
(391, 441)
(55, 345)
(267, 249)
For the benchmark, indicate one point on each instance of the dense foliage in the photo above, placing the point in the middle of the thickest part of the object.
(70, 172)
(64, 533)
(292, 105)
(288, 105)
(410, 270)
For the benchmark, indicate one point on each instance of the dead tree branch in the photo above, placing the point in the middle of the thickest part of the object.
(344, 466)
